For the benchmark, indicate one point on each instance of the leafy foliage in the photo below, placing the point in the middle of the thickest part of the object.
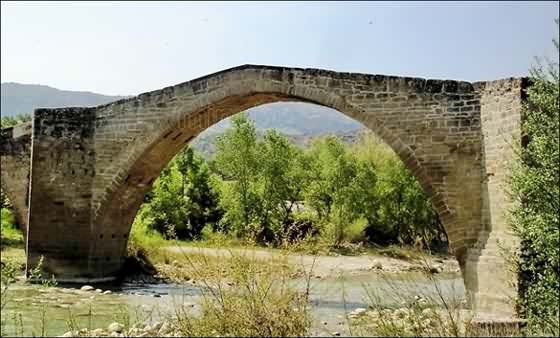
(535, 188)
(182, 201)
(270, 191)
(10, 121)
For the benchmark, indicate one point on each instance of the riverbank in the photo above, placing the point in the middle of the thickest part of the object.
(322, 266)
(333, 286)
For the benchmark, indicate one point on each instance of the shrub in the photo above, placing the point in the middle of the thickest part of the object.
(535, 190)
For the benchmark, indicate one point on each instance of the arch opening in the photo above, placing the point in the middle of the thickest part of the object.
(138, 180)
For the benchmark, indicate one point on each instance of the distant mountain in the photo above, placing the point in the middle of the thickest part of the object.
(24, 98)
(296, 118)
(290, 118)
(205, 143)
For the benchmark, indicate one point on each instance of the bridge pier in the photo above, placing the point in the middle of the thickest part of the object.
(63, 168)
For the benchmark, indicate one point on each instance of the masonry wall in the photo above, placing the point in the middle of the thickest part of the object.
(62, 170)
(487, 270)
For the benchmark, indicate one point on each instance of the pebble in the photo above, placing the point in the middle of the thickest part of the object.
(97, 332)
(98, 290)
(377, 265)
(107, 292)
(87, 288)
(115, 327)
(358, 311)
(156, 326)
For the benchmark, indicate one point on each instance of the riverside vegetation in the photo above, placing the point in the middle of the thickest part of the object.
(328, 198)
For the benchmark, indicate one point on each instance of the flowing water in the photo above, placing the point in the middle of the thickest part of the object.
(64, 307)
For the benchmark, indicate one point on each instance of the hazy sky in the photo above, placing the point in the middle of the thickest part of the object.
(129, 48)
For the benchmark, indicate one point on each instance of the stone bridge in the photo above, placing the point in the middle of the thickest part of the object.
(78, 176)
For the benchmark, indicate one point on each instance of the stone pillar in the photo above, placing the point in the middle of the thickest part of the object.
(63, 167)
(487, 268)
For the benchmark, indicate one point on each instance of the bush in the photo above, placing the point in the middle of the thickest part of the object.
(182, 201)
(535, 191)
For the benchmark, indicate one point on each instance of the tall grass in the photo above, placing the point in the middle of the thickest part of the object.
(246, 298)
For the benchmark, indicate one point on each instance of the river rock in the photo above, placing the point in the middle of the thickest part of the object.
(107, 292)
(436, 268)
(114, 327)
(87, 288)
(377, 266)
(98, 290)
(156, 326)
(358, 311)
(400, 313)
(97, 332)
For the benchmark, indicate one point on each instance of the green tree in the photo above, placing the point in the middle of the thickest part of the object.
(338, 186)
(10, 121)
(535, 188)
(280, 182)
(237, 161)
(397, 210)
(182, 201)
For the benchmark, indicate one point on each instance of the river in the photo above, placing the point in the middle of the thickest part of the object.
(331, 298)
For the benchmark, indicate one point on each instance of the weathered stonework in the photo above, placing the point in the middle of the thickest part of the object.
(493, 284)
(94, 165)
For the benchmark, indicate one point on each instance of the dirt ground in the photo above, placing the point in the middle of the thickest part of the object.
(327, 266)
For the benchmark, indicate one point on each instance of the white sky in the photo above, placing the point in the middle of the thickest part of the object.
(132, 47)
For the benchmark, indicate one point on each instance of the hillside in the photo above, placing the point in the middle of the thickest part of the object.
(24, 98)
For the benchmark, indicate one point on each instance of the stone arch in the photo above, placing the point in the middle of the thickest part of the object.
(143, 159)
(112, 153)
(150, 155)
